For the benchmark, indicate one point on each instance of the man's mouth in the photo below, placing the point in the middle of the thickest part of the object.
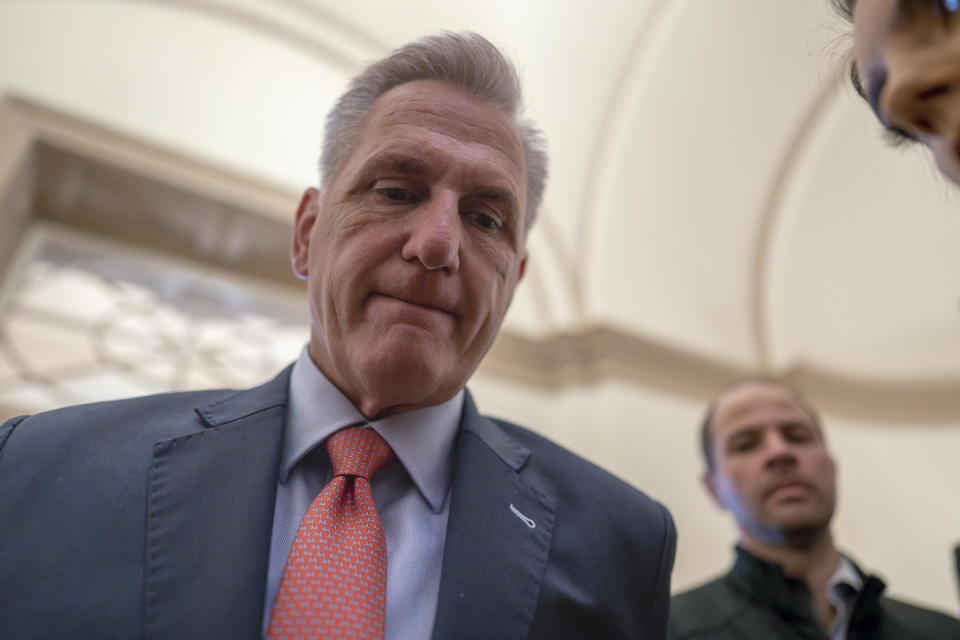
(788, 489)
(430, 306)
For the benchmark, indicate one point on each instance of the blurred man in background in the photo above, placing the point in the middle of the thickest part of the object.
(768, 465)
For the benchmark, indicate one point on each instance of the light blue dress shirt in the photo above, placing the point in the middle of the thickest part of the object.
(411, 494)
(843, 587)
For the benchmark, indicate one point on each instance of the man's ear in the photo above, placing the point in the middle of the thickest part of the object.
(710, 484)
(523, 266)
(307, 212)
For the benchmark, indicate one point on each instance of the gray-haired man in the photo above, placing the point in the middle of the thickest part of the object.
(203, 515)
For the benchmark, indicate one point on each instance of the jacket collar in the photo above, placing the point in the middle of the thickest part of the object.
(766, 585)
(510, 452)
(498, 536)
(241, 404)
(210, 504)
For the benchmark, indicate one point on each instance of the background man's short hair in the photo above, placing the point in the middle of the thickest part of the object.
(706, 437)
(465, 60)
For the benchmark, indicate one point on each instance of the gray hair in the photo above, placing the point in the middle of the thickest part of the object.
(465, 60)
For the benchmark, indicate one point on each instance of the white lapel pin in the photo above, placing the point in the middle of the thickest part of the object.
(527, 521)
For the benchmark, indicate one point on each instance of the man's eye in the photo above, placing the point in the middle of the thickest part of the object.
(739, 446)
(395, 194)
(800, 434)
(485, 221)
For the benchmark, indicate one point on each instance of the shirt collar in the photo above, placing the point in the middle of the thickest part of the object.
(422, 439)
(768, 582)
(845, 574)
(843, 588)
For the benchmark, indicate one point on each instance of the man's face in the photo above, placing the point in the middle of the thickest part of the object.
(908, 57)
(771, 467)
(414, 249)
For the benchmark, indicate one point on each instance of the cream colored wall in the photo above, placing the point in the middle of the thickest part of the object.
(897, 513)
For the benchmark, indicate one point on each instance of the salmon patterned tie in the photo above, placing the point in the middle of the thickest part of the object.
(334, 585)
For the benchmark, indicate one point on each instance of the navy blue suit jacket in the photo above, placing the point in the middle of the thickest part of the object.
(151, 518)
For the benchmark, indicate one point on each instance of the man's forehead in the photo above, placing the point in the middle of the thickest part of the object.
(404, 133)
(450, 110)
(740, 404)
(410, 118)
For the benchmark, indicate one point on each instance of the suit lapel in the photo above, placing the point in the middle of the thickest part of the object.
(209, 517)
(498, 537)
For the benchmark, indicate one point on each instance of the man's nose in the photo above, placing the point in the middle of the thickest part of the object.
(436, 234)
(779, 451)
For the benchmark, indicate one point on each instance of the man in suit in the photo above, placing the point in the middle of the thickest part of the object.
(768, 465)
(197, 515)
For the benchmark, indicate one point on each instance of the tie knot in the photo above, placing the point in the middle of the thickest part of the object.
(356, 451)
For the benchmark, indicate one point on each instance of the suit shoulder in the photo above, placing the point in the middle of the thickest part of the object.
(7, 427)
(552, 455)
(136, 404)
(920, 621)
(703, 608)
(556, 465)
(152, 414)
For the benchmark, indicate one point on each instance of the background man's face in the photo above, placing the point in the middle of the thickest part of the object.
(771, 468)
(413, 251)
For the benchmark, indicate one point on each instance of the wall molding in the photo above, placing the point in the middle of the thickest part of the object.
(597, 353)
(59, 169)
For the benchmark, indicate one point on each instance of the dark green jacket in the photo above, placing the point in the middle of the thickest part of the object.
(756, 600)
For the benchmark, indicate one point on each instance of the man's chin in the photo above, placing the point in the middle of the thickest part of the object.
(398, 383)
(802, 531)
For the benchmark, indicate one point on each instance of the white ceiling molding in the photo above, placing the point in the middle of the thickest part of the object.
(793, 155)
(610, 138)
(317, 32)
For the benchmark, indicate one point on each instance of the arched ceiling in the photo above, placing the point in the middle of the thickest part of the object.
(714, 188)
